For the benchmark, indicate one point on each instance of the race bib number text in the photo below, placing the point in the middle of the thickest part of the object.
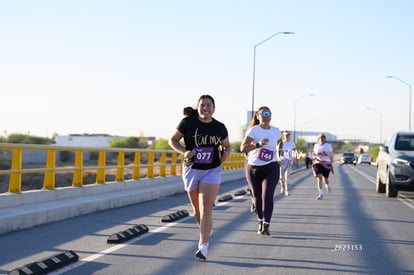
(204, 155)
(265, 154)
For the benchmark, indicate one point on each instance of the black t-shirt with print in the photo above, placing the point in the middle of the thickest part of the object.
(204, 140)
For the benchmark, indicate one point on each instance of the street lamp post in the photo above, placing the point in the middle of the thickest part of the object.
(409, 101)
(254, 62)
(380, 122)
(294, 115)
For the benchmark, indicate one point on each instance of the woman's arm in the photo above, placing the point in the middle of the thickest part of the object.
(174, 142)
(226, 148)
(247, 145)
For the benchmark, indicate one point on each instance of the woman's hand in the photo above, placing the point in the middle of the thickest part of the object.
(188, 155)
(263, 141)
(223, 155)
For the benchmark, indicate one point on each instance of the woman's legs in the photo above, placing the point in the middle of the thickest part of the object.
(284, 174)
(282, 180)
(263, 189)
(193, 197)
(269, 184)
(319, 182)
(202, 201)
(326, 182)
(256, 191)
(322, 179)
(207, 196)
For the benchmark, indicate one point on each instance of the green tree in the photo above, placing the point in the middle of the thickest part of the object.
(373, 152)
(235, 147)
(162, 144)
(300, 144)
(128, 142)
(28, 139)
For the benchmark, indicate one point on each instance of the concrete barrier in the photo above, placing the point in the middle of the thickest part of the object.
(32, 208)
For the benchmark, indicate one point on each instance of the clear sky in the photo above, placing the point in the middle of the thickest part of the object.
(129, 67)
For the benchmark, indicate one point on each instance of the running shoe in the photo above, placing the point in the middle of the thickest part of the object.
(202, 251)
(265, 230)
(319, 197)
(260, 229)
(253, 209)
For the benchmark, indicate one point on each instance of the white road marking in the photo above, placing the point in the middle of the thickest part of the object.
(401, 197)
(117, 247)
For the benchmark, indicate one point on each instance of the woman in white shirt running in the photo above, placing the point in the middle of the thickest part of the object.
(262, 169)
(322, 164)
(287, 155)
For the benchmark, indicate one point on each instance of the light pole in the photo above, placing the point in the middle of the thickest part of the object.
(294, 115)
(254, 62)
(409, 101)
(380, 122)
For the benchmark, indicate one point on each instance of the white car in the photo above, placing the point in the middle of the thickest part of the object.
(395, 165)
(364, 158)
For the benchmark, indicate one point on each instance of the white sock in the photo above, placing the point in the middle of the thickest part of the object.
(320, 192)
(202, 244)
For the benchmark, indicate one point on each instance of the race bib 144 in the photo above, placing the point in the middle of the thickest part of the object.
(265, 154)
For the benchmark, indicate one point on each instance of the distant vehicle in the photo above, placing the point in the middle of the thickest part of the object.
(364, 158)
(348, 158)
(395, 165)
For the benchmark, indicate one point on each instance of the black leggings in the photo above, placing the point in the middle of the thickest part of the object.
(262, 181)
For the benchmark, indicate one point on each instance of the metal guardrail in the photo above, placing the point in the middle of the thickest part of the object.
(140, 159)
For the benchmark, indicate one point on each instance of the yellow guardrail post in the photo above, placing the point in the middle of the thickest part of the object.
(173, 170)
(242, 161)
(120, 168)
(150, 172)
(49, 180)
(100, 173)
(136, 175)
(231, 163)
(78, 172)
(224, 165)
(15, 182)
(163, 162)
(234, 161)
(181, 166)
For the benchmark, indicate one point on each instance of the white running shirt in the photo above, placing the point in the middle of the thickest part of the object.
(267, 153)
(319, 148)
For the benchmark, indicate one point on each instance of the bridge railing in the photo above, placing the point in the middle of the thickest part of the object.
(155, 163)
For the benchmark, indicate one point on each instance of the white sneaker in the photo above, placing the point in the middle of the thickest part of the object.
(202, 251)
(319, 197)
(286, 193)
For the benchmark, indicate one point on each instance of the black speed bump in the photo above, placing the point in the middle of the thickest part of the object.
(225, 198)
(175, 216)
(47, 265)
(128, 234)
(240, 193)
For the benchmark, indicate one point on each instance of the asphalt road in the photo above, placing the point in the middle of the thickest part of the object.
(352, 230)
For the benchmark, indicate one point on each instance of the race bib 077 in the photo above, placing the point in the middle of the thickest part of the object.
(204, 155)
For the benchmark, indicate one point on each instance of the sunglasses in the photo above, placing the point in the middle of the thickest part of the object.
(265, 114)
